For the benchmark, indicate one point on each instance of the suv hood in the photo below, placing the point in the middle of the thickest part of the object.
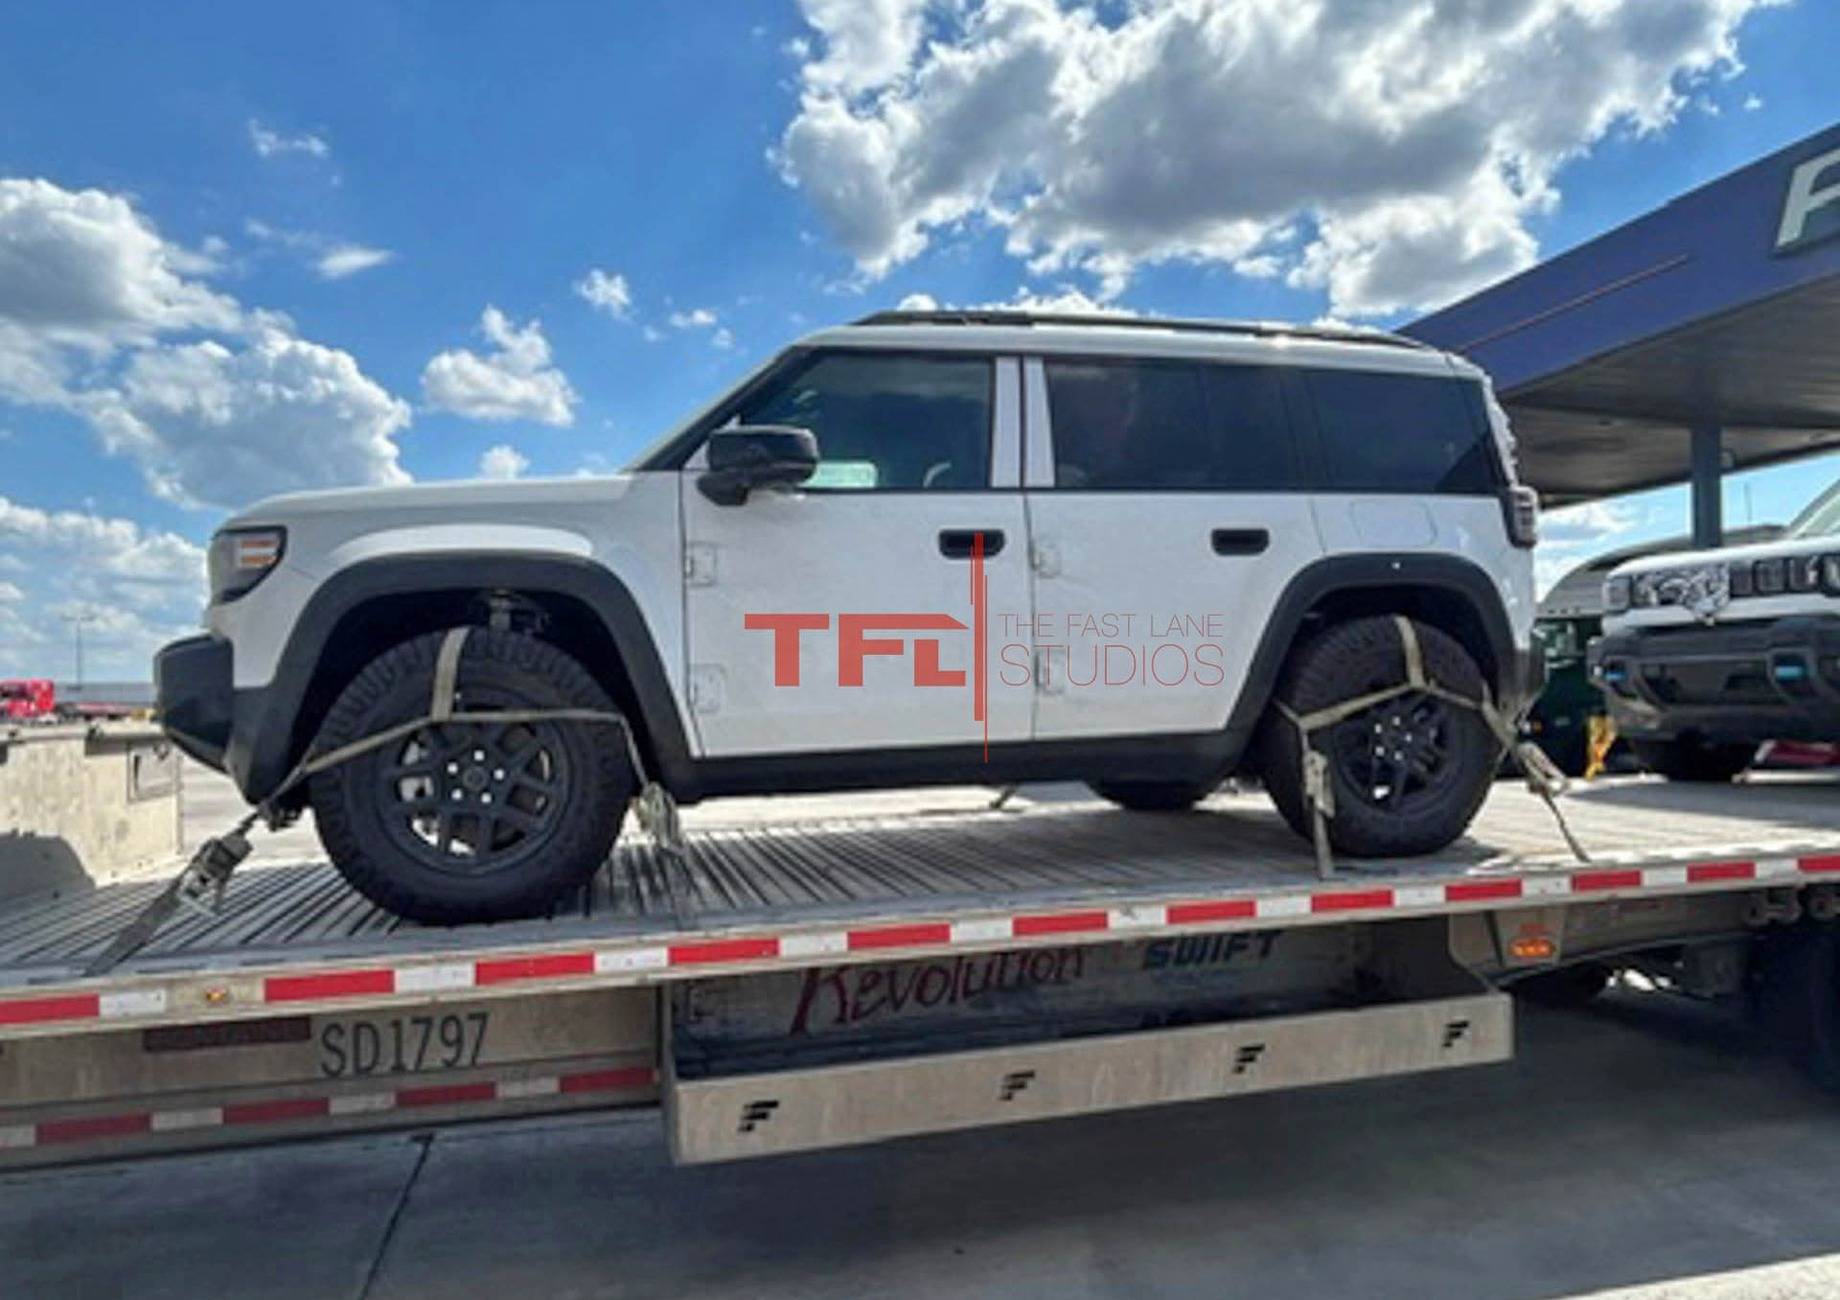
(1781, 547)
(451, 500)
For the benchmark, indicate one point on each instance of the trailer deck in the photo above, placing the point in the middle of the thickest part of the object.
(762, 897)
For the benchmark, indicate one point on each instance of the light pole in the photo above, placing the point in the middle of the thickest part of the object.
(76, 621)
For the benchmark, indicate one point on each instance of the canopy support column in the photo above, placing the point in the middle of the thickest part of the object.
(1708, 494)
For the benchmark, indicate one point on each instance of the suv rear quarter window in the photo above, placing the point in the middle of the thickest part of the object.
(1402, 433)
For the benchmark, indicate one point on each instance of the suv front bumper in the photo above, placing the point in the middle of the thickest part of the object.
(194, 697)
(1736, 682)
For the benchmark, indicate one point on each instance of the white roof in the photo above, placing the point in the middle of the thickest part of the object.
(1141, 337)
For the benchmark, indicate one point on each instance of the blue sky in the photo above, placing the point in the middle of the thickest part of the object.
(255, 248)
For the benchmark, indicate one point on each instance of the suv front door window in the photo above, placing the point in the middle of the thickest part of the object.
(870, 554)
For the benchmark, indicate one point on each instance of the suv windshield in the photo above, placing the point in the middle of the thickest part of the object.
(1822, 516)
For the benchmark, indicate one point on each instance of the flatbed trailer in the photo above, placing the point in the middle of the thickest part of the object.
(809, 983)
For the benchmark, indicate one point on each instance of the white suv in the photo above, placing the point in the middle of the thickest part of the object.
(1707, 654)
(926, 547)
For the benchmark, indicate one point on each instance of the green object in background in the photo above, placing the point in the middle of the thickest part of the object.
(1560, 720)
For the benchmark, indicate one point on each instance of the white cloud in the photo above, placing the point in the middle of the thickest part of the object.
(81, 270)
(271, 144)
(503, 462)
(700, 318)
(209, 424)
(102, 317)
(606, 292)
(134, 588)
(1390, 155)
(1588, 524)
(1066, 300)
(514, 382)
(1571, 535)
(348, 259)
(96, 543)
(867, 43)
(330, 259)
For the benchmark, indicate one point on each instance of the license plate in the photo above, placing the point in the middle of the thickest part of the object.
(426, 1044)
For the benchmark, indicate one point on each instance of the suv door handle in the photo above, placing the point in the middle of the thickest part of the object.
(1241, 541)
(958, 543)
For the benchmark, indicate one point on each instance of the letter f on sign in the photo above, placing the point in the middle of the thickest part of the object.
(1804, 199)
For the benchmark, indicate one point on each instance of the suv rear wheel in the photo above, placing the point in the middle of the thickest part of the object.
(1691, 759)
(1152, 796)
(465, 822)
(1407, 774)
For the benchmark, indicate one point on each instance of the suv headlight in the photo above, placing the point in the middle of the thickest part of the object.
(242, 557)
(1830, 573)
(1616, 595)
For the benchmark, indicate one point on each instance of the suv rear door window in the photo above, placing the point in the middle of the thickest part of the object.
(1156, 425)
(1402, 433)
(887, 421)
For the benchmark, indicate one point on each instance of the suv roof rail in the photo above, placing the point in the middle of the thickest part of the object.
(1253, 329)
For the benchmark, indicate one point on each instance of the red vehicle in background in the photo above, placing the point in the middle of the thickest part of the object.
(27, 699)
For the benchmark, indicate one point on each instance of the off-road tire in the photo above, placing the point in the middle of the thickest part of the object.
(1691, 759)
(370, 835)
(1152, 796)
(1352, 659)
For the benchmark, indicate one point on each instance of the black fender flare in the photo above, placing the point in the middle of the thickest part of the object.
(260, 754)
(1513, 677)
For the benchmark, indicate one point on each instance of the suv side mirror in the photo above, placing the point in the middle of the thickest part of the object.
(750, 456)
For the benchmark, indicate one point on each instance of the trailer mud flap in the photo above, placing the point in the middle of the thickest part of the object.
(782, 1111)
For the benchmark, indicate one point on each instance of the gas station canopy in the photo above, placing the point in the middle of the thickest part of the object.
(1700, 338)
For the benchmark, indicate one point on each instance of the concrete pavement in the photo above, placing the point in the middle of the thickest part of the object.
(1648, 1143)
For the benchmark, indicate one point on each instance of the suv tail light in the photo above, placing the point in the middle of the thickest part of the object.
(1523, 515)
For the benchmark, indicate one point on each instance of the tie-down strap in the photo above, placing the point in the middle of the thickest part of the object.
(201, 882)
(1543, 777)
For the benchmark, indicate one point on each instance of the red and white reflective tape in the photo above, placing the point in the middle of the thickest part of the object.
(283, 1110)
(693, 956)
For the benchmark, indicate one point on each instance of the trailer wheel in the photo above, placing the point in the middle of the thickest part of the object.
(1153, 796)
(1690, 759)
(1408, 774)
(467, 821)
(1796, 985)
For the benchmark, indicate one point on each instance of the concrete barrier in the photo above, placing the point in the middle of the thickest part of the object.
(84, 805)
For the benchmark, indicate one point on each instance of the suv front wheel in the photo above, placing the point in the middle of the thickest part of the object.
(1408, 774)
(471, 821)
